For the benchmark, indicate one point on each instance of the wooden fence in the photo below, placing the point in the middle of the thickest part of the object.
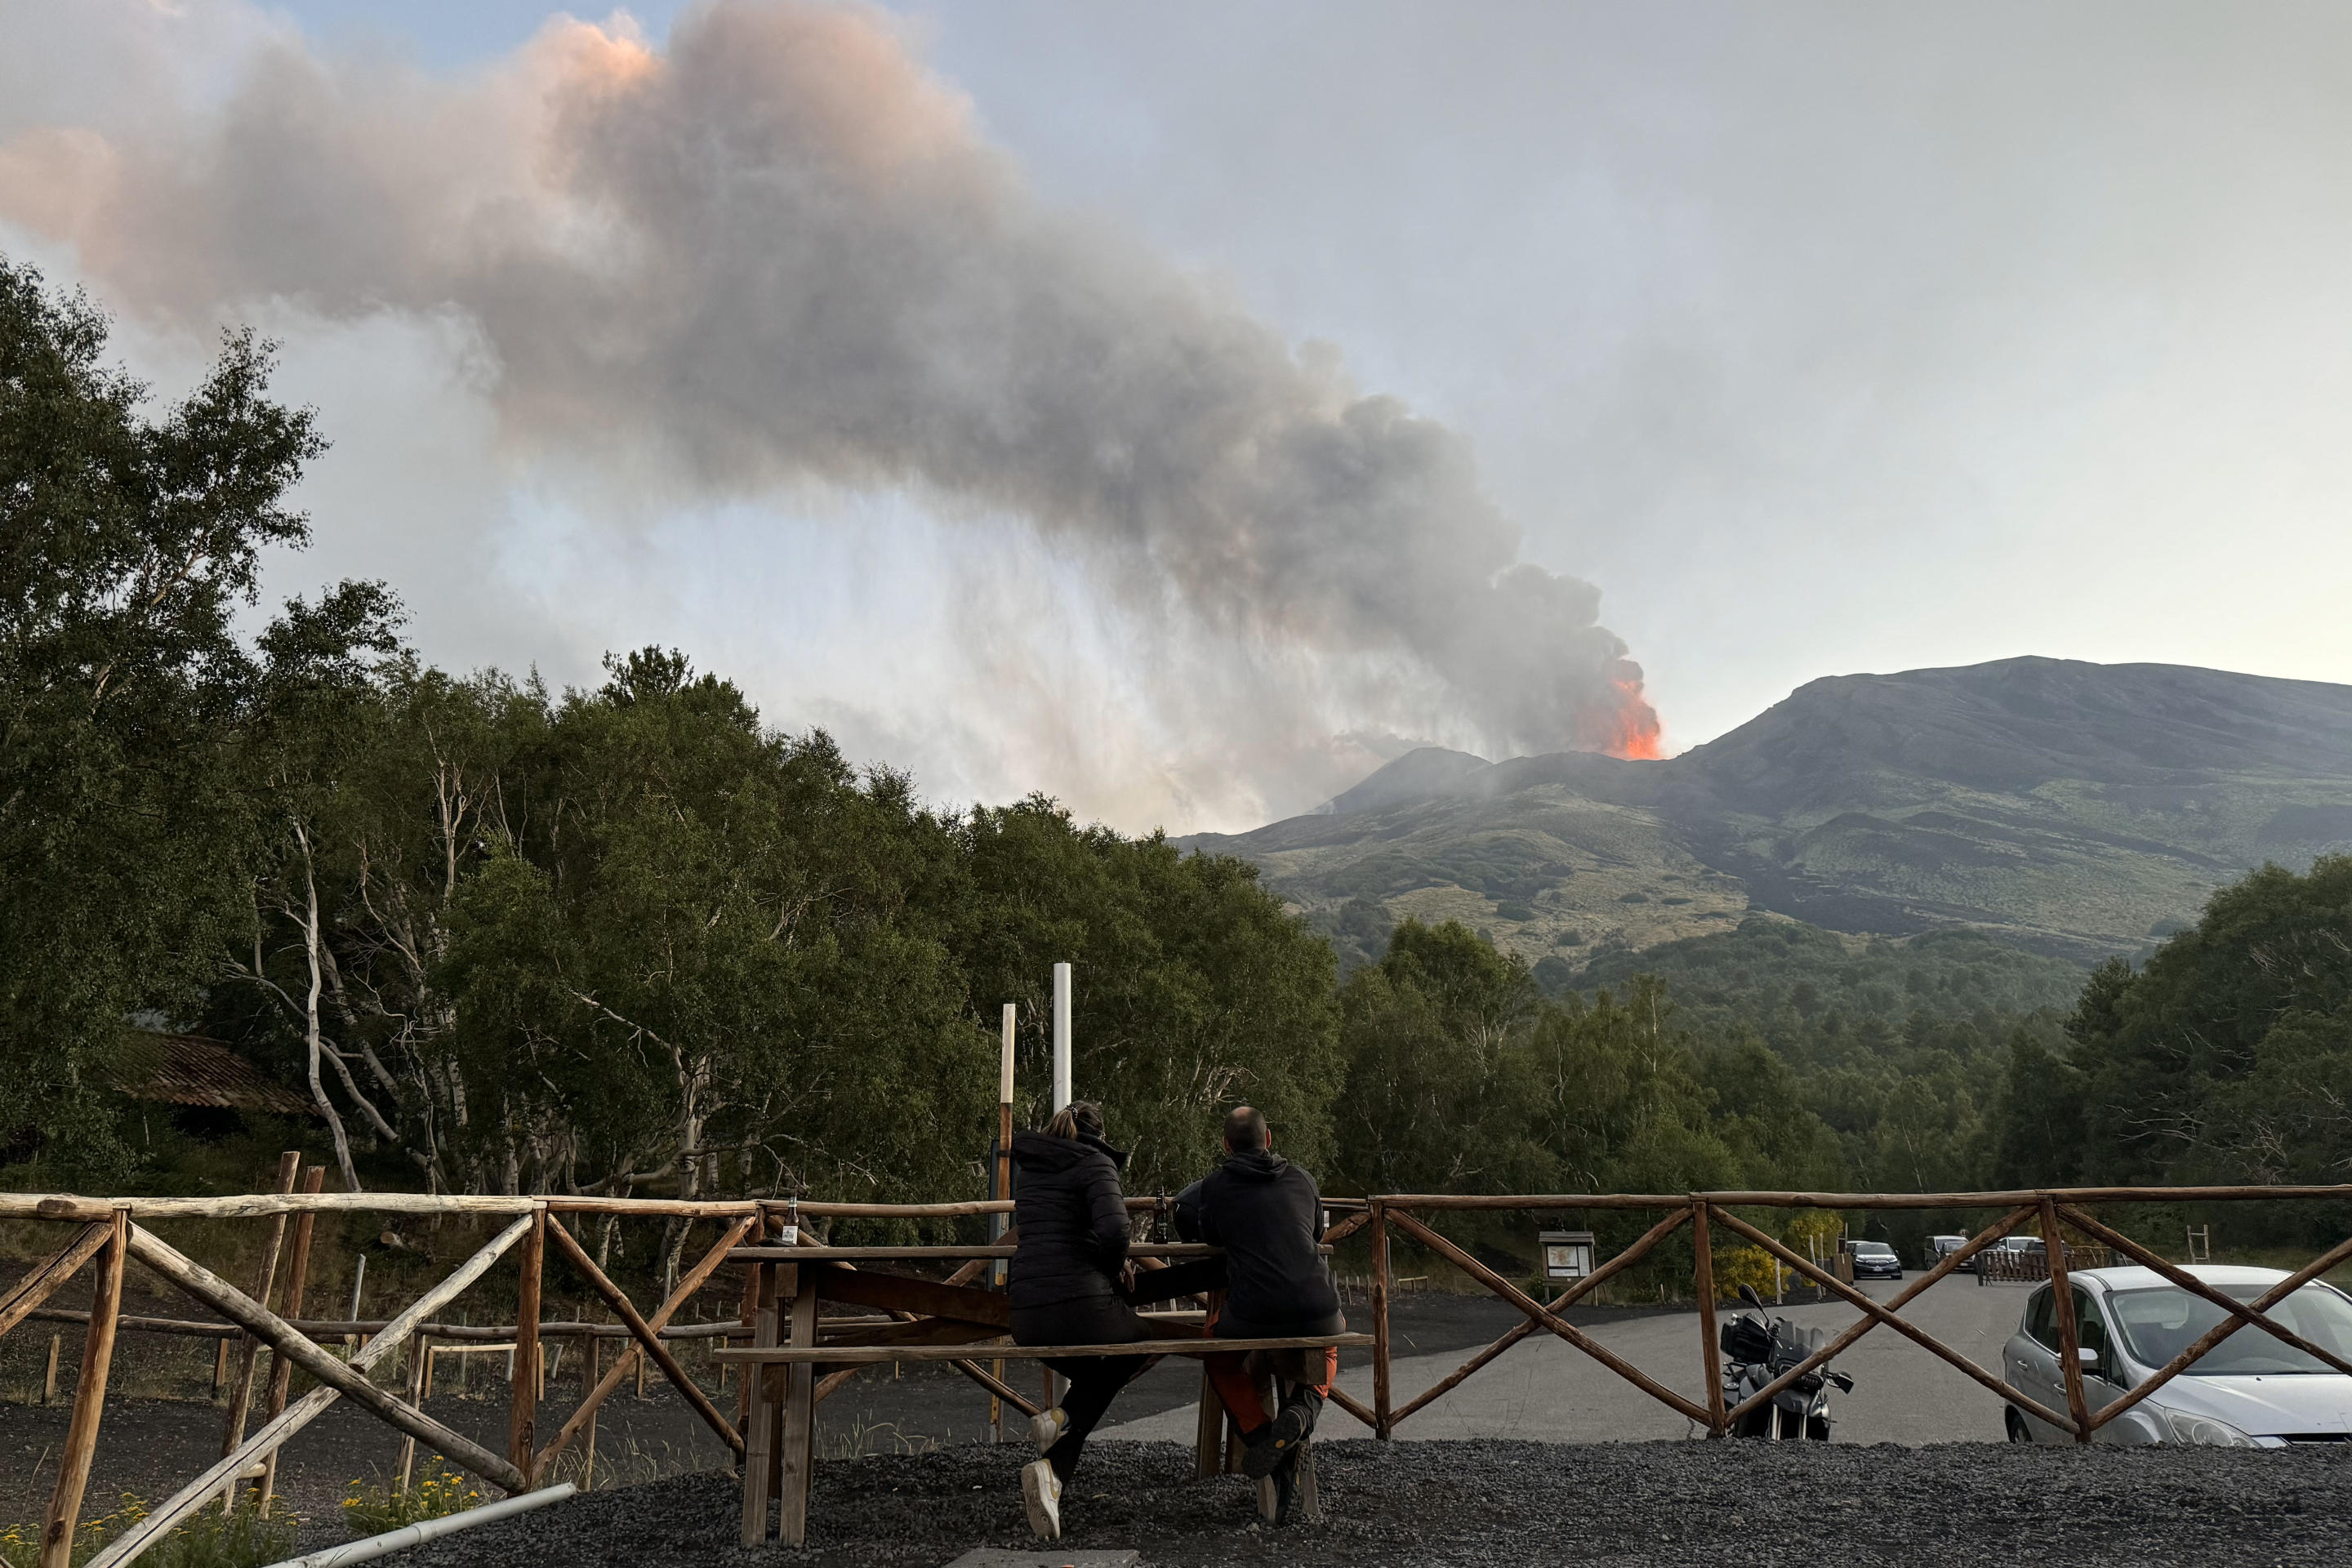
(108, 1235)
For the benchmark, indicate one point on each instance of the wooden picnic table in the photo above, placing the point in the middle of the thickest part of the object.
(924, 1321)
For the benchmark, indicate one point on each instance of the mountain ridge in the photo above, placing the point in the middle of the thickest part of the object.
(2068, 807)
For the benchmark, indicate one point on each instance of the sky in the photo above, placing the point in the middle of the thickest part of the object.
(1816, 338)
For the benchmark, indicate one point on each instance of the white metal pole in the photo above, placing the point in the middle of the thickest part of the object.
(1004, 1061)
(1061, 1036)
(431, 1528)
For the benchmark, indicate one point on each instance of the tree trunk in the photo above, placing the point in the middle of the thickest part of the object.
(311, 1016)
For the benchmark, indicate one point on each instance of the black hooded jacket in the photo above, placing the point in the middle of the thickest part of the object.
(1268, 1216)
(1072, 1216)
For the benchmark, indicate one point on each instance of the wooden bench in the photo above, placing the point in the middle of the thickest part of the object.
(964, 1323)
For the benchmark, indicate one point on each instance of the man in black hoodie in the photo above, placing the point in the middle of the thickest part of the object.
(1268, 1216)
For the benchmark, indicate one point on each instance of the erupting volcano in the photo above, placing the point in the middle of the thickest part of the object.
(1631, 728)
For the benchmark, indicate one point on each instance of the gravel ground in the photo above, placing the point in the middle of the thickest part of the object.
(1662, 1504)
(150, 1445)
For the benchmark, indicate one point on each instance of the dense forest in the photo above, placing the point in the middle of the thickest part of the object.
(632, 939)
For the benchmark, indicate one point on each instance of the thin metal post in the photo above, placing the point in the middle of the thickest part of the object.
(1383, 1421)
(1061, 1036)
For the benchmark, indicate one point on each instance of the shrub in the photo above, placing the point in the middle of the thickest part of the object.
(1738, 1265)
(244, 1538)
(437, 1493)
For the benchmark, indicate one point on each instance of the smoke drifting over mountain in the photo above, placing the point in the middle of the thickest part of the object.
(777, 251)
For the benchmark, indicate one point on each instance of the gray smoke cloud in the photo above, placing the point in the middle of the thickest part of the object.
(777, 251)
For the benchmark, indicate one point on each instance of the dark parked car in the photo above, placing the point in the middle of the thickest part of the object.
(1942, 1246)
(1874, 1260)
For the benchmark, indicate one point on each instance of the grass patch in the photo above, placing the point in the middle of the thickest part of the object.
(243, 1538)
(436, 1493)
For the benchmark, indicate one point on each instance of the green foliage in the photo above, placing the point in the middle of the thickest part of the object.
(126, 544)
(624, 939)
(632, 940)
(2227, 1058)
(1194, 989)
(244, 1538)
(1766, 967)
(1463, 1078)
(436, 1492)
(1903, 1049)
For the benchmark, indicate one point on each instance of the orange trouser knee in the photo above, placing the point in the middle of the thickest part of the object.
(1228, 1375)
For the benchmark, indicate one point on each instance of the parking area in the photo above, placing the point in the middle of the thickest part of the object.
(1544, 1391)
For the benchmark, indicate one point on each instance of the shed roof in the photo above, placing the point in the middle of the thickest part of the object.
(189, 1069)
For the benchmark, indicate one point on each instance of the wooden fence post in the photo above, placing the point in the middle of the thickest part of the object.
(754, 1279)
(1209, 1431)
(2070, 1334)
(241, 1399)
(420, 1389)
(282, 1370)
(1705, 1279)
(798, 1440)
(49, 1378)
(90, 1399)
(522, 1389)
(589, 1380)
(1381, 1420)
(759, 1409)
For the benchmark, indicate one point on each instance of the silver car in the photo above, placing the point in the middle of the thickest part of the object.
(2252, 1391)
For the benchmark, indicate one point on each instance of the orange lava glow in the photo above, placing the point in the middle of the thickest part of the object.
(1632, 729)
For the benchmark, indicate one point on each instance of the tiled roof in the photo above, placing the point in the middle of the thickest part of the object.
(189, 1069)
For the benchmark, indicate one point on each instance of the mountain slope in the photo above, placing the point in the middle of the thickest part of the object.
(2069, 807)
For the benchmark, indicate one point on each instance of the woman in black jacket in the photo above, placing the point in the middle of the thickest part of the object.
(1069, 1271)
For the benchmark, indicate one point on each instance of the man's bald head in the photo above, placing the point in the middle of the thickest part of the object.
(1247, 1132)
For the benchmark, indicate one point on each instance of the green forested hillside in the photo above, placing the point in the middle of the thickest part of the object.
(1901, 1046)
(2073, 809)
(1787, 975)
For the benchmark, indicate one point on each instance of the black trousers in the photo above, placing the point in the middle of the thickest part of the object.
(1095, 1381)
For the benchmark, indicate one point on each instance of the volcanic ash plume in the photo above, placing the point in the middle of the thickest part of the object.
(778, 252)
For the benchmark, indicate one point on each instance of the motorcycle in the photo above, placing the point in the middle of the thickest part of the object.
(1758, 1349)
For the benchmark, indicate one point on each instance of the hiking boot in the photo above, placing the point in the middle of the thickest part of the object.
(1041, 1491)
(1286, 1487)
(1277, 1491)
(1046, 1427)
(1278, 1441)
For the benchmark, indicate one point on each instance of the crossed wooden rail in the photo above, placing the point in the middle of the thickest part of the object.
(952, 1320)
(1394, 1215)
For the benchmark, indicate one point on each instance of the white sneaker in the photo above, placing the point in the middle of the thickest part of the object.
(1046, 1427)
(1041, 1489)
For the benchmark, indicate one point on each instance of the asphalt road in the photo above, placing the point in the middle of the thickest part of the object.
(1543, 1390)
